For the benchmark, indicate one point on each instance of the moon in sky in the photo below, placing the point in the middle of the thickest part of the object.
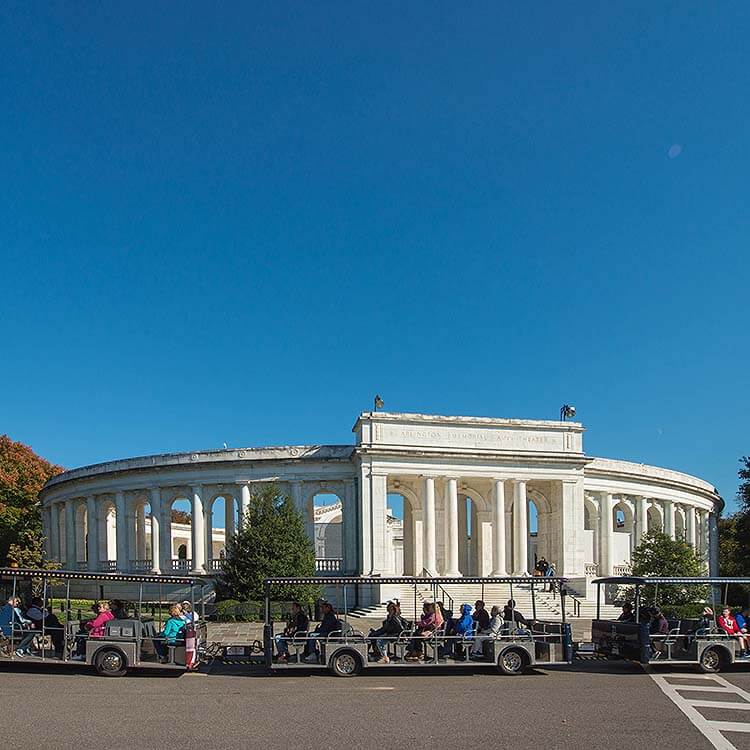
(674, 151)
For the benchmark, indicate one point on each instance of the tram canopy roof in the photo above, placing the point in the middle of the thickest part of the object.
(81, 575)
(645, 580)
(407, 580)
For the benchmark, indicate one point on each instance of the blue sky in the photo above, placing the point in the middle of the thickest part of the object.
(237, 224)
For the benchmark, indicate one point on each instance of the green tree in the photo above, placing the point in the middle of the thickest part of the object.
(271, 542)
(734, 539)
(660, 555)
(22, 476)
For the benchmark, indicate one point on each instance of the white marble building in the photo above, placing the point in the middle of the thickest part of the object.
(481, 496)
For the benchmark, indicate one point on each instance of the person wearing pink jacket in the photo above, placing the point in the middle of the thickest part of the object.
(94, 628)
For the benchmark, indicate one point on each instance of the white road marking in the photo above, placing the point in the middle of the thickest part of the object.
(379, 688)
(711, 730)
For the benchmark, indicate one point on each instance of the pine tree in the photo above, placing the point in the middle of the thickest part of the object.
(271, 542)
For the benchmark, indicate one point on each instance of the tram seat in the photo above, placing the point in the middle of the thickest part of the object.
(124, 629)
(401, 643)
(435, 641)
(464, 645)
(298, 642)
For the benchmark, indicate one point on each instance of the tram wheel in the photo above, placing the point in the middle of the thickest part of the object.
(512, 661)
(110, 662)
(345, 663)
(712, 660)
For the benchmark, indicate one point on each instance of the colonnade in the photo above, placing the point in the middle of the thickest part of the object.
(644, 514)
(94, 524)
(453, 526)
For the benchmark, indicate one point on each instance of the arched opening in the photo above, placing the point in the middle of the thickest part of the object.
(679, 524)
(81, 523)
(468, 536)
(534, 551)
(221, 516)
(591, 536)
(182, 552)
(404, 536)
(326, 510)
(623, 536)
(653, 519)
(178, 533)
(108, 534)
(141, 529)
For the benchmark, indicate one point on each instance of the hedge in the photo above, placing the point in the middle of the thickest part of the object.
(231, 610)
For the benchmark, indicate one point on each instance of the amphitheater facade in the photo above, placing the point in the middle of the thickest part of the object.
(480, 496)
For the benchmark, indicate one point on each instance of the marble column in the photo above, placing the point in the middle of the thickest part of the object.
(498, 529)
(70, 535)
(520, 530)
(198, 530)
(245, 502)
(641, 518)
(140, 538)
(428, 526)
(349, 520)
(228, 517)
(451, 521)
(55, 543)
(92, 533)
(121, 532)
(669, 525)
(155, 516)
(690, 525)
(605, 534)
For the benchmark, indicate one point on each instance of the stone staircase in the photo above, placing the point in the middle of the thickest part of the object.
(547, 604)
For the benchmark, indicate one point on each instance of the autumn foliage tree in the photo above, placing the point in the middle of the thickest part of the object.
(22, 476)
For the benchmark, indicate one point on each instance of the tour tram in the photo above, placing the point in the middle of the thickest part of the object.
(689, 640)
(64, 601)
(521, 643)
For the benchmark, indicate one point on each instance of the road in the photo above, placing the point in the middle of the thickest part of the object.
(593, 705)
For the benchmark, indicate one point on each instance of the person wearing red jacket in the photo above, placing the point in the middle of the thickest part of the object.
(729, 625)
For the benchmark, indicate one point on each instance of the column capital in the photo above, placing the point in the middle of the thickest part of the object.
(197, 488)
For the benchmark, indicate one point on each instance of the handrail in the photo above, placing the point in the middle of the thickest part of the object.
(446, 597)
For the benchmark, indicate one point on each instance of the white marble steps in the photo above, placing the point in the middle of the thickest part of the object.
(547, 605)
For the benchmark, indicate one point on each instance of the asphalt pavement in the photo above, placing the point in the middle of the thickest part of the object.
(591, 705)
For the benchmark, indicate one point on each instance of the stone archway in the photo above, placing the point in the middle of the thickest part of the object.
(623, 532)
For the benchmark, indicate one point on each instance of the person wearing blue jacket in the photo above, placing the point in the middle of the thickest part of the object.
(463, 627)
(12, 622)
(743, 617)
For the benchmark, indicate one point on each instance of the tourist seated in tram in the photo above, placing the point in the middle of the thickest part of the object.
(743, 619)
(706, 621)
(42, 620)
(627, 613)
(93, 628)
(426, 627)
(174, 630)
(14, 624)
(392, 627)
(729, 625)
(512, 616)
(118, 609)
(329, 624)
(462, 628)
(658, 626)
(496, 627)
(298, 623)
(481, 616)
(188, 615)
(446, 614)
